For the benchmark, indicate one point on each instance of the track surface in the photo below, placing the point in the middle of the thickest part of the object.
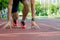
(49, 30)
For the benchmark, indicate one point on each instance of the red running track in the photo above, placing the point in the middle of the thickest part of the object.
(49, 30)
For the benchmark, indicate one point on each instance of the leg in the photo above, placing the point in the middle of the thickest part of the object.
(25, 12)
(14, 12)
(25, 9)
(15, 16)
(14, 9)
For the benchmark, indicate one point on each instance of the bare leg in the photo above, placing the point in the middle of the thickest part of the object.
(25, 12)
(15, 16)
(25, 9)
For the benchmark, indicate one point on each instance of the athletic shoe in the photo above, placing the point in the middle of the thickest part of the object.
(22, 25)
(14, 24)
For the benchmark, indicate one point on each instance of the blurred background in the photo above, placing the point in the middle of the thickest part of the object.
(43, 8)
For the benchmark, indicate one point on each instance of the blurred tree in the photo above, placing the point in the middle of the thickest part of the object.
(4, 3)
(37, 7)
(58, 5)
(20, 7)
(40, 9)
(0, 4)
(52, 8)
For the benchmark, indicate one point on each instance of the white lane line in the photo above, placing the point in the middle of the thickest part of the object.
(33, 33)
(56, 32)
(55, 27)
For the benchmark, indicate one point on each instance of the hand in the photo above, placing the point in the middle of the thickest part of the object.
(33, 24)
(8, 24)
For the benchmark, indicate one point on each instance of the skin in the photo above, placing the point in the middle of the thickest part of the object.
(9, 13)
(24, 11)
(33, 23)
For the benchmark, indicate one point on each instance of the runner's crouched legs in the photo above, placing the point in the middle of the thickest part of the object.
(15, 14)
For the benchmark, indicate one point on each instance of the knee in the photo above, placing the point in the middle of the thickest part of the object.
(26, 4)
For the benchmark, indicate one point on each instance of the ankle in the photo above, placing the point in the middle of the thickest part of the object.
(23, 22)
(15, 21)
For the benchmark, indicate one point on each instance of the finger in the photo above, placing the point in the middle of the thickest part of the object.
(6, 25)
(35, 25)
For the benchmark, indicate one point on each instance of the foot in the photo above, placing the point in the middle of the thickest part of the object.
(15, 24)
(22, 24)
(7, 25)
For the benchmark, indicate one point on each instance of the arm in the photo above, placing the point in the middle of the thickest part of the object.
(33, 14)
(33, 8)
(9, 9)
(9, 14)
